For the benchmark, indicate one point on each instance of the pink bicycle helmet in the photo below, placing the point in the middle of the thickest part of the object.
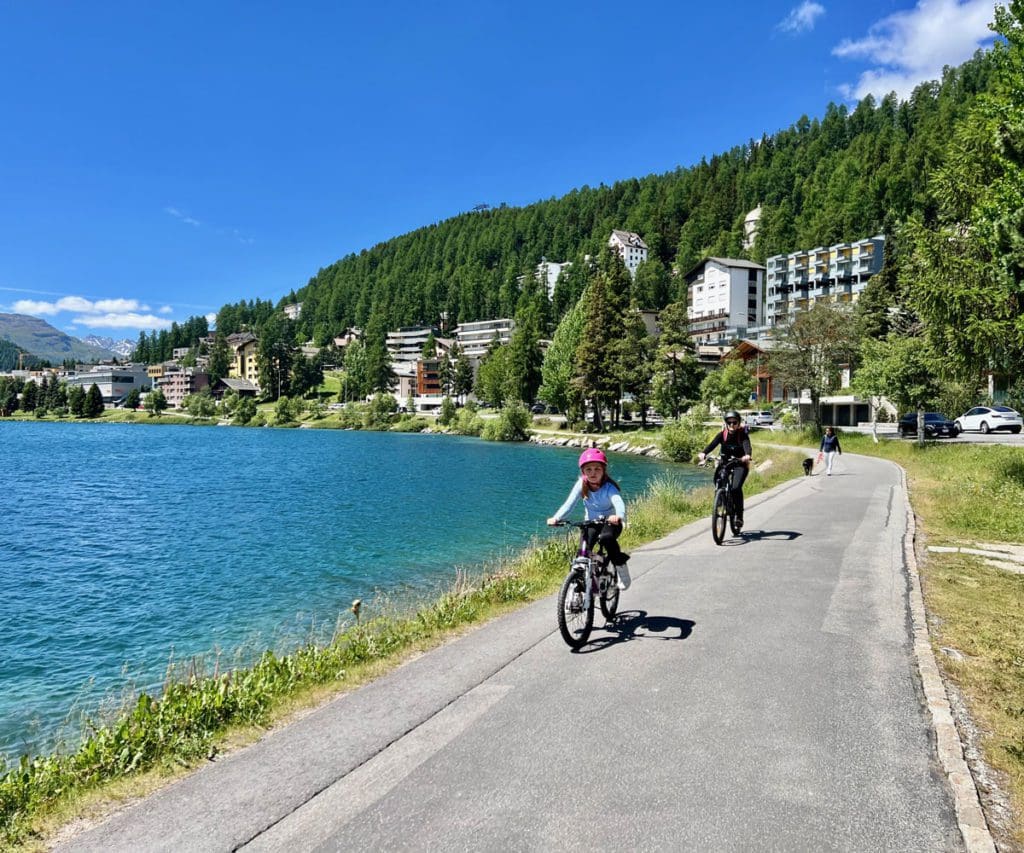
(593, 454)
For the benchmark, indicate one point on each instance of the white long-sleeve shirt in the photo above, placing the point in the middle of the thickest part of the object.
(604, 502)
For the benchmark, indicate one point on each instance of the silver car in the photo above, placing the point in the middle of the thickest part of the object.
(988, 419)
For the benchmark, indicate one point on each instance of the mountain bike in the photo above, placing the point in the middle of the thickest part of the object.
(723, 508)
(591, 576)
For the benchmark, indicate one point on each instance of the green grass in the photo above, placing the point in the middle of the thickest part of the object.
(199, 711)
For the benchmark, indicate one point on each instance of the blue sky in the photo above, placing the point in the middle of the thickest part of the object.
(158, 160)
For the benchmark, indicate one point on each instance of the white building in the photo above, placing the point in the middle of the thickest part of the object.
(839, 273)
(750, 224)
(548, 272)
(474, 338)
(631, 248)
(114, 381)
(724, 299)
(293, 310)
(406, 343)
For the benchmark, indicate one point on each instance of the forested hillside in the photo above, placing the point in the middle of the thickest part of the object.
(845, 176)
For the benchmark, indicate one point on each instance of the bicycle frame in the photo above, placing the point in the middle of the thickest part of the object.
(591, 579)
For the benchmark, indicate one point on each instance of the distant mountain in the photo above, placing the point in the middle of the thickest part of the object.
(39, 338)
(122, 348)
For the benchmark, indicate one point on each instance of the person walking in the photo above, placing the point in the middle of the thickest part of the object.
(829, 447)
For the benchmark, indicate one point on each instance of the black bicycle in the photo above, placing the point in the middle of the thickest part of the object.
(723, 507)
(591, 576)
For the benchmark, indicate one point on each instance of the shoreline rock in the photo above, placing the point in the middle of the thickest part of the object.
(651, 450)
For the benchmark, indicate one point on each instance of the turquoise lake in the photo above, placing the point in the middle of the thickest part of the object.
(123, 547)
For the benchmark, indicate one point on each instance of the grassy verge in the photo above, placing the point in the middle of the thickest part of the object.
(965, 494)
(201, 713)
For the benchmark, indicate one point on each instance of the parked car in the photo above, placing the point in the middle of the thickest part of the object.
(936, 425)
(538, 408)
(764, 418)
(988, 419)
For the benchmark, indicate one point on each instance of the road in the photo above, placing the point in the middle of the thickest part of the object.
(761, 695)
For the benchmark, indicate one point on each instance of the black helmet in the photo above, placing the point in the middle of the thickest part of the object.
(732, 414)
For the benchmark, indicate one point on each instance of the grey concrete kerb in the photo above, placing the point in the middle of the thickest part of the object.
(970, 816)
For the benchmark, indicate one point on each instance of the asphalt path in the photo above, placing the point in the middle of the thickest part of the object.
(759, 695)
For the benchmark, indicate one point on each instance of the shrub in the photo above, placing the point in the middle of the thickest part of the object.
(448, 412)
(678, 442)
(467, 422)
(380, 413)
(512, 424)
(407, 424)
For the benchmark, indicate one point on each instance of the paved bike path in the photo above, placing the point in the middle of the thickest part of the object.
(758, 695)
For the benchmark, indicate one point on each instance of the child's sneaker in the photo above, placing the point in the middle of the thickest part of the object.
(624, 579)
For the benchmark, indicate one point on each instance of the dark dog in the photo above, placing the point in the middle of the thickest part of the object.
(808, 465)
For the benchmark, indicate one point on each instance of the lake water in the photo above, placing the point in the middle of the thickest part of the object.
(122, 546)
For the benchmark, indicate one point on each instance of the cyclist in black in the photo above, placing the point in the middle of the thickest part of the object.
(735, 443)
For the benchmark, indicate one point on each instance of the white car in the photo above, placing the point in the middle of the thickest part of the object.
(764, 418)
(987, 419)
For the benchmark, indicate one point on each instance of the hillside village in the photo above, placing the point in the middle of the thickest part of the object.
(734, 307)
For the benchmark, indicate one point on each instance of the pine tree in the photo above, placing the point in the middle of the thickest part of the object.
(93, 406)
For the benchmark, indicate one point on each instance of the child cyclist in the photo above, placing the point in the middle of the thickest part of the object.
(735, 443)
(601, 498)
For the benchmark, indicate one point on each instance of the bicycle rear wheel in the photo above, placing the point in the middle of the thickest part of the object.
(719, 516)
(575, 615)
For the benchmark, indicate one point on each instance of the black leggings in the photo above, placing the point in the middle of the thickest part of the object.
(737, 479)
(608, 536)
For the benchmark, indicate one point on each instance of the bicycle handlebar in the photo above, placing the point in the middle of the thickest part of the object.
(591, 522)
(735, 460)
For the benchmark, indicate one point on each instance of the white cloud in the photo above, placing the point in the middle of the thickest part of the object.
(802, 18)
(118, 305)
(98, 314)
(211, 318)
(184, 217)
(166, 309)
(910, 47)
(125, 320)
(31, 306)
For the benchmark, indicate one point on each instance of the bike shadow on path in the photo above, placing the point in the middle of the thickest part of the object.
(760, 535)
(638, 625)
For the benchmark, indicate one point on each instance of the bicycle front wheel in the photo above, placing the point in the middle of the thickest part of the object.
(575, 610)
(610, 601)
(719, 516)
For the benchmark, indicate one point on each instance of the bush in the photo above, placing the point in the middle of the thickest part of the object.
(407, 424)
(380, 413)
(244, 410)
(448, 412)
(679, 442)
(467, 421)
(352, 416)
(512, 424)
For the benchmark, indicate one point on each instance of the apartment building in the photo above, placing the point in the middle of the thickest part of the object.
(243, 364)
(723, 299)
(177, 382)
(631, 248)
(474, 338)
(801, 279)
(406, 343)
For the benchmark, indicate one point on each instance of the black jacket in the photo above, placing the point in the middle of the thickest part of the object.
(734, 445)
